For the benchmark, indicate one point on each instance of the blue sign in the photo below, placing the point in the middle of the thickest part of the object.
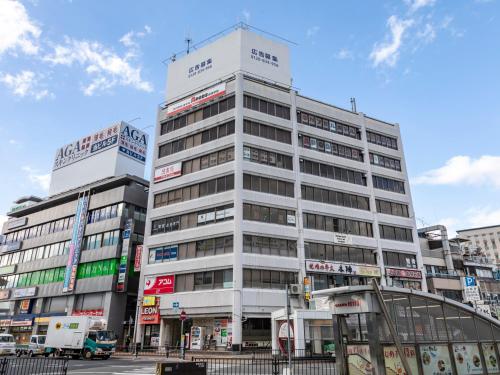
(175, 305)
(470, 281)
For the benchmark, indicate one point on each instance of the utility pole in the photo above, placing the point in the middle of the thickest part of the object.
(288, 343)
(182, 318)
(134, 341)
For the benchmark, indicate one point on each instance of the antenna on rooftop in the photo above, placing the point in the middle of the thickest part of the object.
(188, 41)
(353, 105)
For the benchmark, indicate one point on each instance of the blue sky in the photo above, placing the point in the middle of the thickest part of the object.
(68, 68)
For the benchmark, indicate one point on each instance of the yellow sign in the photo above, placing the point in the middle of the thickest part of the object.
(42, 320)
(149, 301)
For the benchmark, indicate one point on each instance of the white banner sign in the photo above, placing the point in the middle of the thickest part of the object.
(342, 238)
(472, 293)
(349, 304)
(196, 99)
(167, 172)
(26, 292)
(342, 268)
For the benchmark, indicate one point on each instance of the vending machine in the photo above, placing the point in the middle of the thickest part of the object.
(197, 337)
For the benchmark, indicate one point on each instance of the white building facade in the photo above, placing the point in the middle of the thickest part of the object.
(254, 187)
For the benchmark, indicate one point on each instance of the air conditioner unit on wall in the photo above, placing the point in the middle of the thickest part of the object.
(295, 289)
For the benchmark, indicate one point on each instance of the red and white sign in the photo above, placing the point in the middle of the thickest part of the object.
(150, 315)
(137, 260)
(159, 285)
(94, 312)
(167, 172)
(407, 274)
(196, 99)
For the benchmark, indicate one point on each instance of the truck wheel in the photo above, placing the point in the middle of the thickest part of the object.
(18, 353)
(30, 353)
(46, 355)
(106, 357)
(87, 354)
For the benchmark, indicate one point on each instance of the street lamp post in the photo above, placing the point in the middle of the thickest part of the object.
(139, 303)
(288, 346)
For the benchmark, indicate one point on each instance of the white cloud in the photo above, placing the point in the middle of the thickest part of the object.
(312, 31)
(128, 40)
(344, 54)
(483, 216)
(25, 83)
(388, 51)
(484, 171)
(106, 68)
(417, 4)
(427, 34)
(13, 142)
(41, 180)
(17, 31)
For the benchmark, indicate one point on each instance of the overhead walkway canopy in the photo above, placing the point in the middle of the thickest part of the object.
(438, 336)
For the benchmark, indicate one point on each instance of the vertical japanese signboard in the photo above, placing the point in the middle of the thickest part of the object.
(126, 241)
(76, 244)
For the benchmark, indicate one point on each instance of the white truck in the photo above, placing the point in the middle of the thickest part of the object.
(35, 347)
(79, 336)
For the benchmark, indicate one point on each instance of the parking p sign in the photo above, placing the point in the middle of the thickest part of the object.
(470, 281)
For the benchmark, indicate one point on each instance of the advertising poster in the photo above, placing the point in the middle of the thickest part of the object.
(491, 358)
(393, 363)
(159, 285)
(75, 244)
(358, 360)
(467, 359)
(435, 360)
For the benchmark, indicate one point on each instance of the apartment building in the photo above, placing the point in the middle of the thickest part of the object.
(73, 252)
(485, 238)
(255, 187)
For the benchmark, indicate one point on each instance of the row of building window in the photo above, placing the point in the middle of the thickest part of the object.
(385, 161)
(197, 139)
(193, 219)
(328, 147)
(267, 131)
(98, 240)
(395, 259)
(41, 230)
(270, 215)
(59, 248)
(337, 198)
(194, 249)
(388, 184)
(268, 185)
(217, 279)
(338, 225)
(202, 189)
(93, 216)
(267, 279)
(53, 275)
(389, 232)
(269, 246)
(271, 158)
(265, 106)
(337, 253)
(203, 113)
(328, 125)
(392, 208)
(382, 140)
(334, 173)
(207, 161)
(105, 213)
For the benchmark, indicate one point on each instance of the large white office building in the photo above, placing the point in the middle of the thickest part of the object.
(255, 186)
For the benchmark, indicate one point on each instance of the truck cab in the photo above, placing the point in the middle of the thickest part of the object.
(99, 343)
(7, 344)
(35, 347)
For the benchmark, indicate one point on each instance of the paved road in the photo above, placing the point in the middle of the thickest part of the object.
(112, 366)
(146, 366)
